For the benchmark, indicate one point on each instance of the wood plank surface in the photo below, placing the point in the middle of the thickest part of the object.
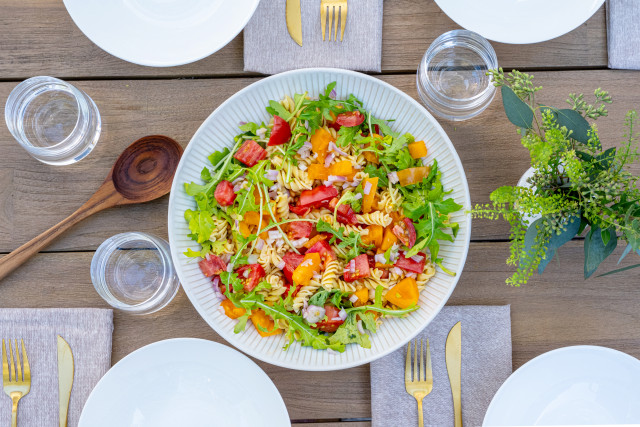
(554, 310)
(34, 196)
(38, 37)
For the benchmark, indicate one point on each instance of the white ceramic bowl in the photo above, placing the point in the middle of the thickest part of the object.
(218, 131)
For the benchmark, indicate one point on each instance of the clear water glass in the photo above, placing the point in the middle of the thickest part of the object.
(53, 120)
(133, 272)
(452, 77)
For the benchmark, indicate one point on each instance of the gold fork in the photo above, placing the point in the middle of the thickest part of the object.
(422, 382)
(16, 386)
(329, 9)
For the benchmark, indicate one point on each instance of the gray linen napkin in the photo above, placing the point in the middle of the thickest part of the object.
(623, 34)
(88, 332)
(486, 364)
(269, 49)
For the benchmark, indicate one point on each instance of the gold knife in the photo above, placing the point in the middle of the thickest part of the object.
(453, 351)
(294, 20)
(65, 379)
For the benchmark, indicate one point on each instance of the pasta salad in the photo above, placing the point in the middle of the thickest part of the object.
(320, 223)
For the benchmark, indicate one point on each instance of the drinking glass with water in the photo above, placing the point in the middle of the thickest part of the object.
(54, 121)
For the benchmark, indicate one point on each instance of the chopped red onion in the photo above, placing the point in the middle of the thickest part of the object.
(242, 123)
(271, 174)
(360, 328)
(396, 270)
(299, 242)
(237, 187)
(333, 94)
(393, 177)
(252, 259)
(353, 298)
(237, 225)
(239, 179)
(229, 268)
(313, 313)
(336, 178)
(358, 196)
(280, 265)
(260, 244)
(328, 160)
(333, 147)
(274, 234)
(261, 132)
(379, 258)
(342, 314)
(367, 188)
(416, 258)
(304, 152)
(226, 258)
(273, 195)
(327, 183)
(412, 275)
(307, 144)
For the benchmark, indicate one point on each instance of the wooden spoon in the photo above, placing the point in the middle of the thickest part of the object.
(143, 172)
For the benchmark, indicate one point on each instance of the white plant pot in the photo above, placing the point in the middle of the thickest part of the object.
(528, 219)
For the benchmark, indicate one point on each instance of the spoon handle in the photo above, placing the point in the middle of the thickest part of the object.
(105, 197)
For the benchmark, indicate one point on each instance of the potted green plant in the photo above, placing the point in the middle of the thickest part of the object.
(575, 186)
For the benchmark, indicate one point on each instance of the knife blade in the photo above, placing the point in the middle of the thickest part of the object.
(453, 354)
(294, 20)
(65, 379)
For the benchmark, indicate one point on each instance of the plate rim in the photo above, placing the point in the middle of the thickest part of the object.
(161, 64)
(552, 353)
(227, 335)
(532, 40)
(179, 341)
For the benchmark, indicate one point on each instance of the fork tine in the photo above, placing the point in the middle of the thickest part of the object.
(416, 374)
(12, 368)
(331, 13)
(407, 365)
(336, 11)
(18, 365)
(5, 366)
(422, 362)
(27, 370)
(323, 17)
(343, 19)
(429, 376)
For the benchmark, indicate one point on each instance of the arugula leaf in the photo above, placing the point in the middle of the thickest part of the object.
(348, 333)
(217, 156)
(276, 109)
(404, 159)
(352, 243)
(250, 127)
(334, 295)
(200, 223)
(373, 171)
(346, 135)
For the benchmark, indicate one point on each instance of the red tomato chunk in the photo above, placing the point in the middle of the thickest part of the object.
(224, 193)
(409, 264)
(212, 265)
(332, 322)
(250, 153)
(346, 215)
(291, 261)
(280, 133)
(300, 229)
(251, 274)
(358, 268)
(317, 197)
(350, 119)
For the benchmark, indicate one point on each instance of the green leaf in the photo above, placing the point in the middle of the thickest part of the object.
(276, 109)
(373, 171)
(558, 240)
(574, 121)
(518, 112)
(348, 333)
(619, 270)
(596, 251)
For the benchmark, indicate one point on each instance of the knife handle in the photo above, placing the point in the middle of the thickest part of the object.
(457, 412)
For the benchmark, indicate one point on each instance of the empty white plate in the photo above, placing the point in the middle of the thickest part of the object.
(520, 21)
(581, 385)
(185, 382)
(161, 33)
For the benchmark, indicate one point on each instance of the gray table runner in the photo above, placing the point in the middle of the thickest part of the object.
(486, 364)
(623, 34)
(269, 49)
(88, 332)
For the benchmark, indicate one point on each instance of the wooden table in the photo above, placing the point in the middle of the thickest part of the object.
(37, 37)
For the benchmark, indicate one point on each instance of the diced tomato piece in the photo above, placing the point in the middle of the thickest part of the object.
(299, 210)
(372, 261)
(300, 229)
(212, 265)
(346, 215)
(324, 249)
(255, 275)
(350, 119)
(291, 261)
(317, 197)
(224, 193)
(280, 133)
(295, 291)
(411, 231)
(358, 268)
(250, 153)
(332, 322)
(409, 264)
